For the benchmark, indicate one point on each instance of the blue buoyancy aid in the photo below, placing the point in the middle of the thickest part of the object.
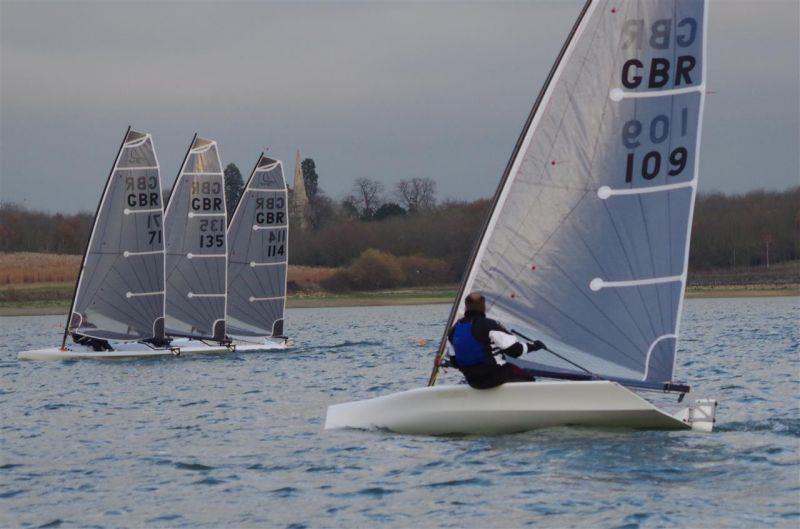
(469, 351)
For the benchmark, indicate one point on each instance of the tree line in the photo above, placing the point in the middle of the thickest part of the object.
(408, 221)
(759, 228)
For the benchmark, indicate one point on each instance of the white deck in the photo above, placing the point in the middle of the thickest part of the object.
(509, 408)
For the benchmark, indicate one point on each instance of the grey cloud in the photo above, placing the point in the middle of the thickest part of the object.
(382, 90)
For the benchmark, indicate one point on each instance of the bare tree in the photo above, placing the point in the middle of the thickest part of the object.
(417, 194)
(366, 197)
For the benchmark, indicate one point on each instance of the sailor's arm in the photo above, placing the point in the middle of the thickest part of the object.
(449, 358)
(505, 343)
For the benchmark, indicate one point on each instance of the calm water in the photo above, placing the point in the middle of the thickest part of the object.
(238, 441)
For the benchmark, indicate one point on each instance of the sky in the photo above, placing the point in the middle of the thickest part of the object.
(383, 90)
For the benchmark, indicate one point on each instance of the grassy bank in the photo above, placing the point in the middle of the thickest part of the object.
(33, 284)
(37, 300)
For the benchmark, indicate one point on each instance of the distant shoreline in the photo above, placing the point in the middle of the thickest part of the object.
(428, 296)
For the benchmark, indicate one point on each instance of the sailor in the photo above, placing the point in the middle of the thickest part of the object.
(475, 339)
(95, 344)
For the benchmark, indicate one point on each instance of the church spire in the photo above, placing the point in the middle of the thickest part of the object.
(300, 204)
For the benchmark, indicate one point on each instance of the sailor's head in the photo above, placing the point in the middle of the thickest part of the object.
(475, 301)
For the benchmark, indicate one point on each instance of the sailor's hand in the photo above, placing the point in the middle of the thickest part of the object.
(536, 345)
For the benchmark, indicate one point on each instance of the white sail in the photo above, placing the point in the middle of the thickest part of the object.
(120, 291)
(587, 244)
(196, 249)
(259, 254)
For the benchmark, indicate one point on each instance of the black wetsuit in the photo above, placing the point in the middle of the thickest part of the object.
(95, 343)
(488, 373)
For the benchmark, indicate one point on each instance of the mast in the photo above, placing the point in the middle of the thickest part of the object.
(91, 234)
(175, 183)
(498, 192)
(244, 189)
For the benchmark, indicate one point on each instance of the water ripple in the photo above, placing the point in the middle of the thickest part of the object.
(237, 441)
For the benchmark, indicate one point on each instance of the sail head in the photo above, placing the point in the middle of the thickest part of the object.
(258, 254)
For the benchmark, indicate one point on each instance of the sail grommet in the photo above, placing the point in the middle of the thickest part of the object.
(596, 284)
(616, 95)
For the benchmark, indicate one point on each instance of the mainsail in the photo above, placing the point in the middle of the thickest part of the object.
(196, 250)
(258, 235)
(587, 243)
(120, 290)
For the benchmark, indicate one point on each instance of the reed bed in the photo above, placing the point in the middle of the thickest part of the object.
(25, 268)
(308, 277)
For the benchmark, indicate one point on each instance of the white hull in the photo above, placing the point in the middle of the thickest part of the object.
(133, 350)
(514, 407)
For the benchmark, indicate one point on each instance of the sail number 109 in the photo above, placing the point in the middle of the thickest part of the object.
(650, 164)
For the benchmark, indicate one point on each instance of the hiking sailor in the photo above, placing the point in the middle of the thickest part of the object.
(95, 344)
(475, 339)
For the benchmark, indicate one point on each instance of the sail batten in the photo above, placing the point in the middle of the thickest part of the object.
(586, 245)
(120, 290)
(258, 235)
(196, 249)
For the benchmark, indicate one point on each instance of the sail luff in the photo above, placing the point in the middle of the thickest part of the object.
(511, 167)
(91, 235)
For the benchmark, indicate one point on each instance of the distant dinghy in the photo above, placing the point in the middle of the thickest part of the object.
(120, 293)
(119, 296)
(587, 242)
(258, 238)
(196, 247)
(118, 311)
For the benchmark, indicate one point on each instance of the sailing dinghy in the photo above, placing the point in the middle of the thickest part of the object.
(587, 242)
(258, 258)
(196, 251)
(118, 306)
